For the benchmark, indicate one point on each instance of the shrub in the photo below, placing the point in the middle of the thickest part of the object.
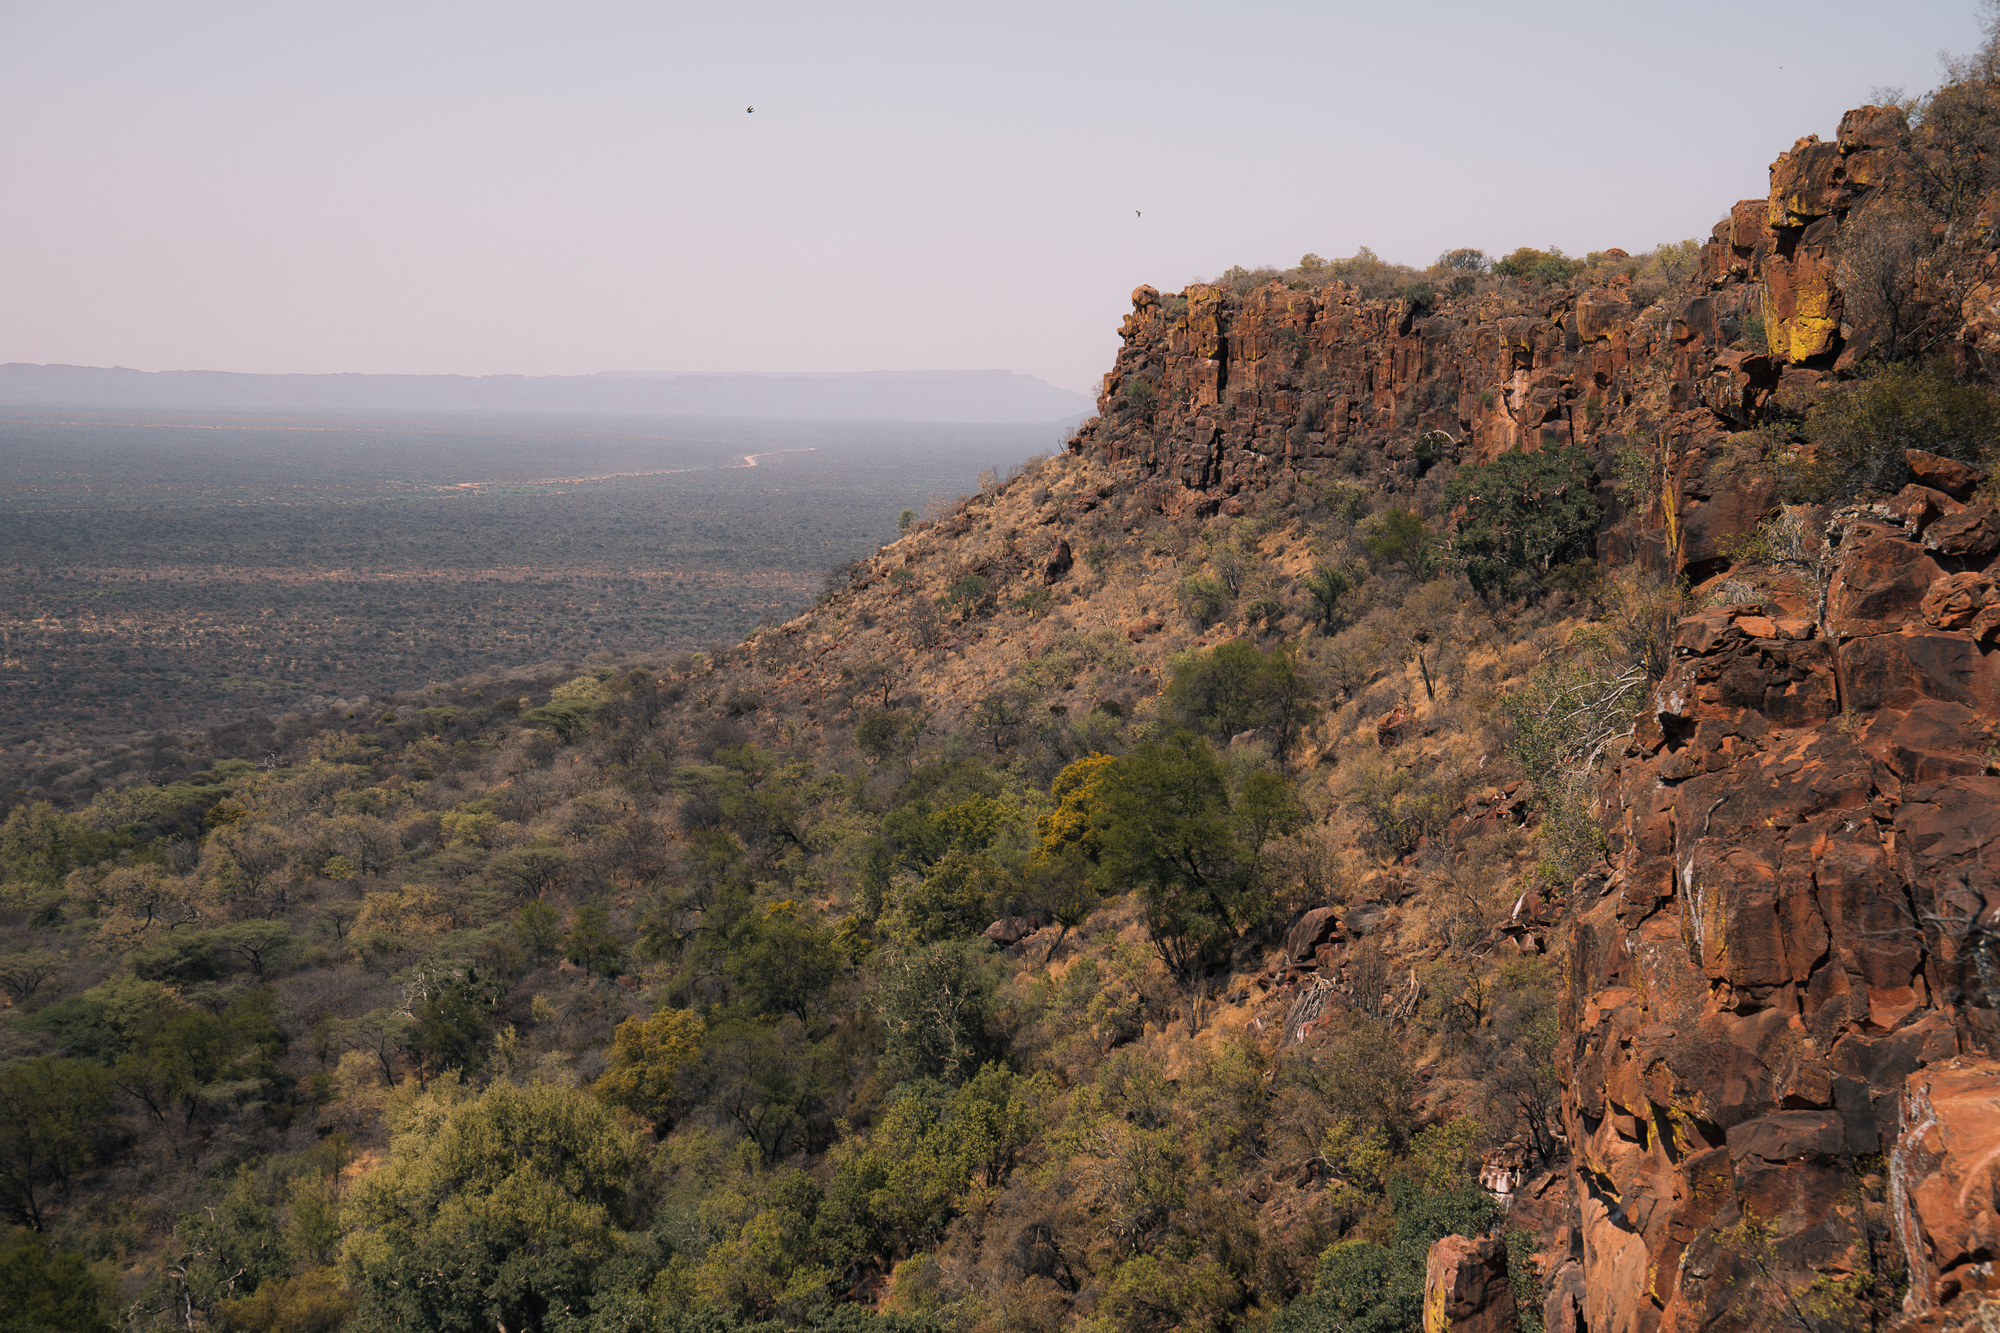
(1366, 1287)
(647, 1061)
(1399, 537)
(1202, 599)
(1551, 268)
(1860, 430)
(970, 596)
(1327, 588)
(1171, 829)
(1035, 602)
(492, 1209)
(1751, 335)
(1634, 476)
(52, 1289)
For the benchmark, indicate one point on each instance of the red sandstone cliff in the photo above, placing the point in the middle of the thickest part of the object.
(1780, 999)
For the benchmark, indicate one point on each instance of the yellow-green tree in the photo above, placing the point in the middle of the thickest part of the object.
(647, 1059)
(493, 1210)
(1079, 792)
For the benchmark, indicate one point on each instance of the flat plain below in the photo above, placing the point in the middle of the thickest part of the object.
(171, 570)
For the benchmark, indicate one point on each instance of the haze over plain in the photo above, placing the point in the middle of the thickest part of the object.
(510, 189)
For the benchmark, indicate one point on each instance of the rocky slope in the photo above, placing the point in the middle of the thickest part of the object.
(1779, 1006)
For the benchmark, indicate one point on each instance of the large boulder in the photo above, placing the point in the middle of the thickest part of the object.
(1319, 926)
(1969, 601)
(1946, 1172)
(1466, 1288)
(1973, 533)
(1954, 478)
(1060, 561)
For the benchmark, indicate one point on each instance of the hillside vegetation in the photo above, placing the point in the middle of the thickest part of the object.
(1127, 901)
(704, 949)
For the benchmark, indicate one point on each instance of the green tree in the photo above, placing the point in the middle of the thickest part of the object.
(530, 871)
(1523, 513)
(451, 1022)
(895, 1190)
(189, 1066)
(1366, 1287)
(771, 1079)
(539, 930)
(591, 943)
(936, 1005)
(52, 1111)
(785, 961)
(502, 1209)
(1860, 430)
(1235, 687)
(44, 1290)
(40, 845)
(1327, 590)
(1399, 537)
(566, 719)
(1170, 826)
(885, 733)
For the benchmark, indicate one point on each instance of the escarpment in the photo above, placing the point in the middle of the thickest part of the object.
(1779, 1018)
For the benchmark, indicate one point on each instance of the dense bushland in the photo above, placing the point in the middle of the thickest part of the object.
(623, 1000)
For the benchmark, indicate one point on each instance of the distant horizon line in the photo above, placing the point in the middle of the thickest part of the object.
(881, 395)
(553, 375)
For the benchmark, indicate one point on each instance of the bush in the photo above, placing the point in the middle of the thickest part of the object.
(1539, 265)
(1203, 599)
(1860, 430)
(648, 1059)
(1170, 828)
(51, 1289)
(1364, 1287)
(970, 596)
(492, 1209)
(1399, 537)
(1327, 588)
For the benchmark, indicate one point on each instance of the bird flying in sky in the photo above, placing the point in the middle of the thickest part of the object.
(748, 109)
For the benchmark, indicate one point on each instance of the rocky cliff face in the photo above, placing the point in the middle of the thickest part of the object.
(1780, 1003)
(1793, 947)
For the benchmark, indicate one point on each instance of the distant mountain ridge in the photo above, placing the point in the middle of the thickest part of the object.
(883, 395)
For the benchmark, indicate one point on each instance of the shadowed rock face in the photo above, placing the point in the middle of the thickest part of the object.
(1780, 1007)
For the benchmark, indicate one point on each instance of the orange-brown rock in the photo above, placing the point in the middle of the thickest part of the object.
(1790, 972)
(1968, 601)
(1954, 478)
(1806, 850)
(1315, 928)
(1466, 1288)
(1973, 533)
(1059, 562)
(1144, 626)
(1945, 1180)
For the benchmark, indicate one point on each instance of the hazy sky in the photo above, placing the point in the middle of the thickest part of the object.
(545, 188)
